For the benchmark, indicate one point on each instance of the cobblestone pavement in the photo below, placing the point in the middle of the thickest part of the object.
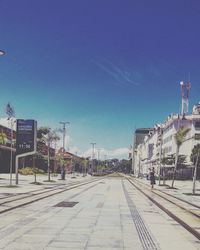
(109, 215)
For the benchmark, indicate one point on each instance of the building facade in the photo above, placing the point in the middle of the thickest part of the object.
(5, 147)
(160, 143)
(138, 139)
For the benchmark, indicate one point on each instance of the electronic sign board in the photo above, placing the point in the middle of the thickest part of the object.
(26, 136)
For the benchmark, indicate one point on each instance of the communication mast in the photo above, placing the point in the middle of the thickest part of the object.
(185, 90)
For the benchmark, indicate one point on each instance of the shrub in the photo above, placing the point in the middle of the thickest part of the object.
(30, 171)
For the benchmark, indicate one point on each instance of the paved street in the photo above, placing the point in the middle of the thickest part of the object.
(109, 214)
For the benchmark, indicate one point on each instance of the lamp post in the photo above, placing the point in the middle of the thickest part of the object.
(93, 144)
(99, 149)
(11, 114)
(63, 152)
(64, 132)
(48, 153)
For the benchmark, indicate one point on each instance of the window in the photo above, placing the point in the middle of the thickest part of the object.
(197, 125)
(167, 139)
(168, 128)
(167, 150)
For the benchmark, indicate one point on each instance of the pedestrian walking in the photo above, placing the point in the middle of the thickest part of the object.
(63, 173)
(152, 178)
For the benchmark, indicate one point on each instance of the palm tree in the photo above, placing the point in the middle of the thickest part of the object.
(51, 137)
(56, 138)
(46, 136)
(179, 138)
(3, 138)
(196, 160)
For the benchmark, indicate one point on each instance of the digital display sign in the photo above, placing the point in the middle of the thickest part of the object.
(26, 136)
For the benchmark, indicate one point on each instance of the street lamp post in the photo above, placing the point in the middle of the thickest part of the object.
(63, 152)
(11, 114)
(93, 144)
(48, 153)
(99, 149)
(64, 132)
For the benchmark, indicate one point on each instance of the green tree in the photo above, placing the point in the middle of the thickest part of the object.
(41, 146)
(196, 161)
(60, 161)
(179, 138)
(3, 138)
(46, 137)
(166, 160)
(50, 137)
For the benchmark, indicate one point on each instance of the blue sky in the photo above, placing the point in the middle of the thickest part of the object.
(107, 66)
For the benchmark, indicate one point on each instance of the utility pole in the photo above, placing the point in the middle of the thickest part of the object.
(11, 114)
(99, 149)
(64, 132)
(63, 151)
(93, 144)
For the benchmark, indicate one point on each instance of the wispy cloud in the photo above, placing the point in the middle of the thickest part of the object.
(122, 77)
(102, 153)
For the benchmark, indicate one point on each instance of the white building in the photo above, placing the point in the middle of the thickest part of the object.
(147, 154)
(161, 142)
(137, 158)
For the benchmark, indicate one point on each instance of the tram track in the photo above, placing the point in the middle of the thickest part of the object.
(183, 204)
(182, 211)
(19, 200)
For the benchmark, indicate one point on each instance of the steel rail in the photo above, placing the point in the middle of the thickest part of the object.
(155, 191)
(167, 211)
(49, 193)
(37, 192)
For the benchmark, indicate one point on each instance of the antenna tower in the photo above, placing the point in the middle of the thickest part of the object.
(185, 90)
